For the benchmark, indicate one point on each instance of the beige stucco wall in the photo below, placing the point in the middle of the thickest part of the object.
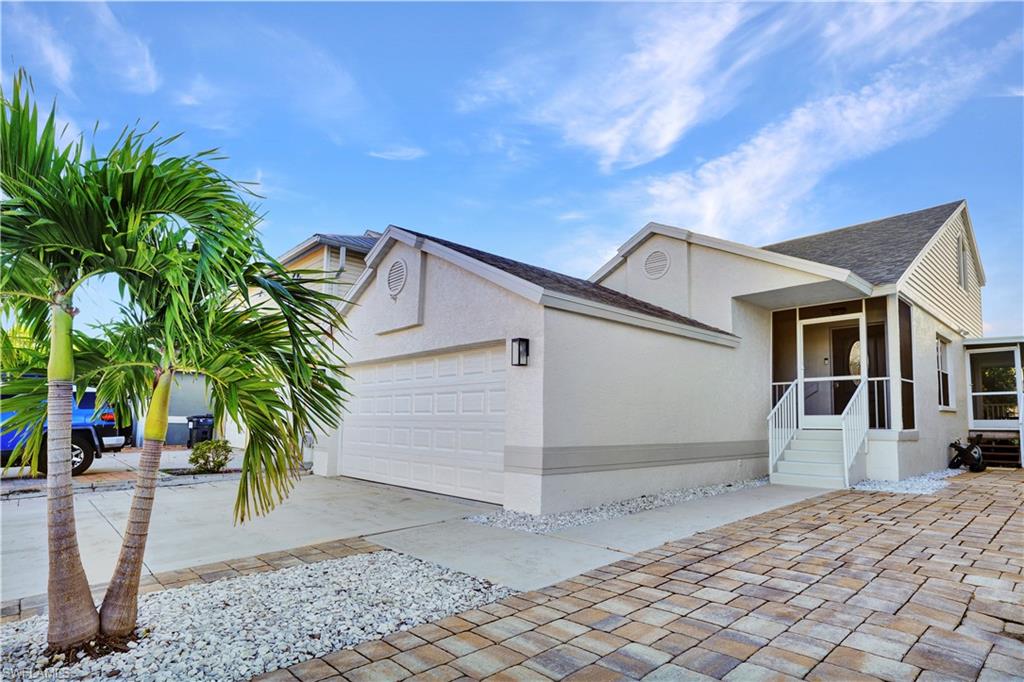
(627, 385)
(935, 427)
(629, 411)
(671, 290)
(701, 281)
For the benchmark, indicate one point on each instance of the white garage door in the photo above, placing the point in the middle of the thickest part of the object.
(435, 423)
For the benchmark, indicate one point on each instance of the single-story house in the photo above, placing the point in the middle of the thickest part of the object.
(685, 360)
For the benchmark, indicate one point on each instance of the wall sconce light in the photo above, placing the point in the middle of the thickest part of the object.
(520, 352)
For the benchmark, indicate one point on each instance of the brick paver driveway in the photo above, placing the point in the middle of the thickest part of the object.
(845, 586)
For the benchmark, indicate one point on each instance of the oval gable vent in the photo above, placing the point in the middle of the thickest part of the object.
(396, 277)
(656, 264)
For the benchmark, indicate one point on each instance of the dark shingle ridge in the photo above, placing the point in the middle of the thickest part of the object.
(565, 284)
(880, 251)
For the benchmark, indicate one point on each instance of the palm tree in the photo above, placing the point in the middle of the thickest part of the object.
(65, 218)
(267, 367)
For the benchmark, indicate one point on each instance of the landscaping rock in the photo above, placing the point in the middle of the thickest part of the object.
(549, 523)
(925, 484)
(237, 628)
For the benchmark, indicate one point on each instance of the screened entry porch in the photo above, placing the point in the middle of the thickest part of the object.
(829, 354)
(995, 398)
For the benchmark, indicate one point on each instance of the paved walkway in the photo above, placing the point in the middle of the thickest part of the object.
(528, 561)
(845, 586)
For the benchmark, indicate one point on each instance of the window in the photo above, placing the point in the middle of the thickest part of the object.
(906, 365)
(854, 360)
(942, 364)
(961, 265)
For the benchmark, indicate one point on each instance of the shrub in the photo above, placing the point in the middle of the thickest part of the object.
(210, 456)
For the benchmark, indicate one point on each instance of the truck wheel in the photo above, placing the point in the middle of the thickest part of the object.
(83, 452)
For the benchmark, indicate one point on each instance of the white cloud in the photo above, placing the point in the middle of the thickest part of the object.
(309, 80)
(398, 153)
(210, 106)
(749, 193)
(572, 215)
(630, 84)
(582, 252)
(199, 91)
(874, 31)
(51, 51)
(629, 100)
(271, 185)
(123, 53)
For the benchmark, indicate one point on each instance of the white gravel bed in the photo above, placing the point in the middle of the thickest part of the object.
(925, 484)
(237, 628)
(549, 523)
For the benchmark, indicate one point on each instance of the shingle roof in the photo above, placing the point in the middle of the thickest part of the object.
(880, 251)
(572, 286)
(359, 243)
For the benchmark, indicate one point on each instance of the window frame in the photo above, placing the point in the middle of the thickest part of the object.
(943, 371)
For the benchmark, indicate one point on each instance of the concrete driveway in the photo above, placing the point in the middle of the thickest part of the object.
(194, 525)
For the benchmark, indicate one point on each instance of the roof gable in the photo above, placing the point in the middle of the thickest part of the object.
(361, 244)
(880, 251)
(557, 282)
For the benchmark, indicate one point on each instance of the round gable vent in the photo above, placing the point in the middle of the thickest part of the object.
(396, 277)
(656, 264)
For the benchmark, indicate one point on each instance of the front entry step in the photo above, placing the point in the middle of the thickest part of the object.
(813, 459)
(807, 481)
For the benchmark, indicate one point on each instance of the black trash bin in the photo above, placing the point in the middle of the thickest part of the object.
(200, 428)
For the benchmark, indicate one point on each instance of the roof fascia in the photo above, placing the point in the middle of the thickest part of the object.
(296, 251)
(975, 253)
(589, 308)
(993, 340)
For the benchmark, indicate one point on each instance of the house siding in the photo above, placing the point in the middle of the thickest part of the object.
(934, 281)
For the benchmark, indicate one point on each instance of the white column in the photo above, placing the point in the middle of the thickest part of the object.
(892, 350)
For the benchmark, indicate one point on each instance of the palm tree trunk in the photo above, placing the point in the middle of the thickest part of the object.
(72, 614)
(121, 602)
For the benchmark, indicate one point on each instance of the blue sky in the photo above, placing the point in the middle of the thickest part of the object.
(551, 133)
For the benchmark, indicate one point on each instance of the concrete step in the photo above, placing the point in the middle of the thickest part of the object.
(828, 456)
(827, 482)
(819, 445)
(819, 434)
(826, 469)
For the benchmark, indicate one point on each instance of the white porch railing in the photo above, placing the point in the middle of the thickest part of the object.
(878, 403)
(782, 425)
(855, 428)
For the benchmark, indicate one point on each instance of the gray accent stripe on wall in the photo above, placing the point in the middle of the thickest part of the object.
(583, 459)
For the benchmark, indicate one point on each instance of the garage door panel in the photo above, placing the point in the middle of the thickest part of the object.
(435, 423)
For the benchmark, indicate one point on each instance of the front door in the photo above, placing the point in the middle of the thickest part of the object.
(846, 362)
(832, 363)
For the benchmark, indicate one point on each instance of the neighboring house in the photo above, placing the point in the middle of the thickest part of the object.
(662, 370)
(340, 256)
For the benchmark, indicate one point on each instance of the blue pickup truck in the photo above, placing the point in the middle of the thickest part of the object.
(92, 434)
